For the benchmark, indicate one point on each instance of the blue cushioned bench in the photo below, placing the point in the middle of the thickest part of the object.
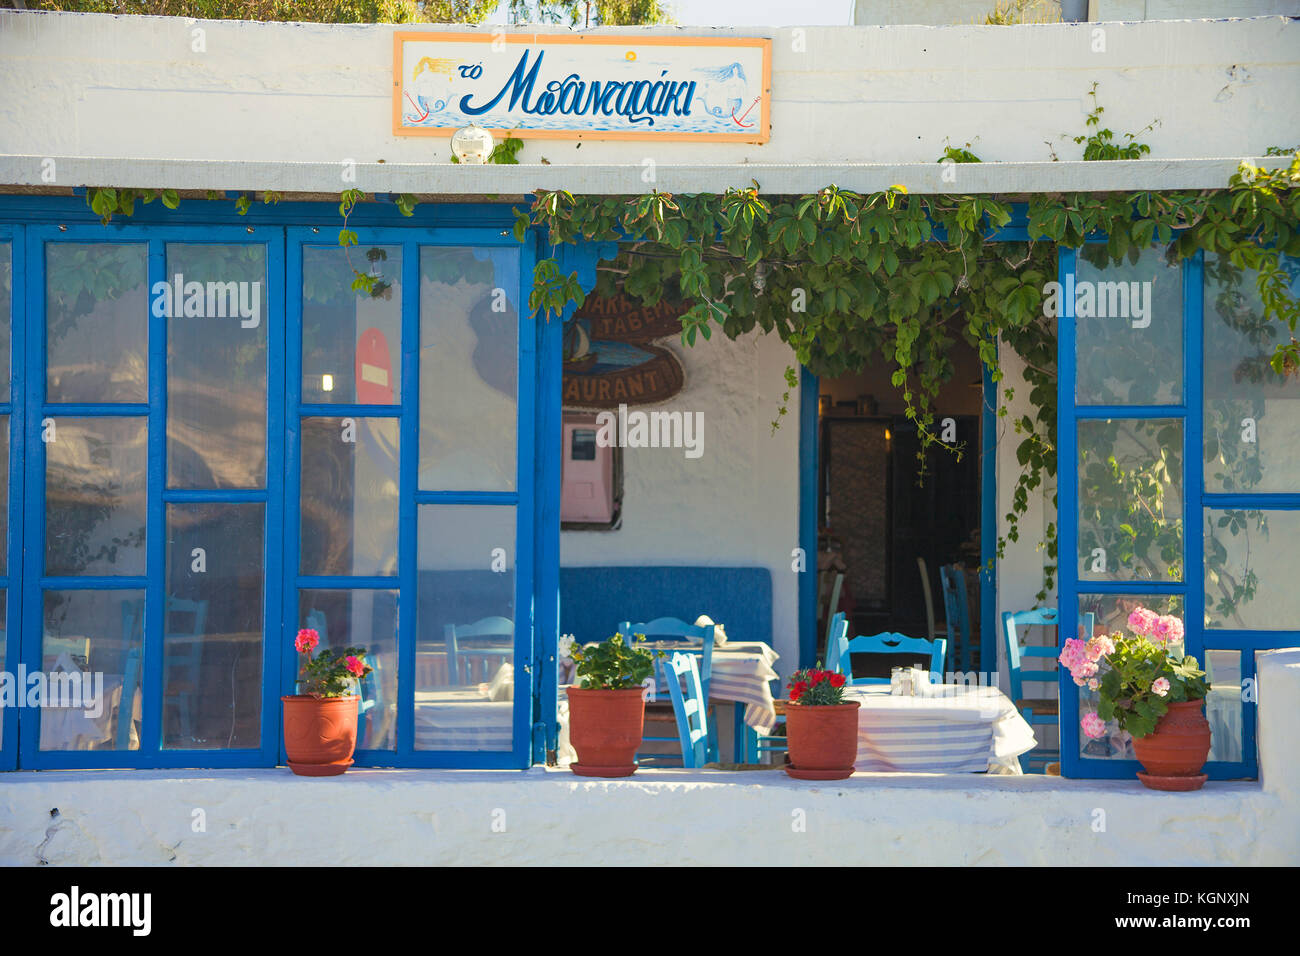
(594, 600)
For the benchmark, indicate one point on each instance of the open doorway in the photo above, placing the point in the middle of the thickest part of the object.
(889, 535)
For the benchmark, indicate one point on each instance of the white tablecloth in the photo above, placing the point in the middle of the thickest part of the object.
(944, 729)
(465, 719)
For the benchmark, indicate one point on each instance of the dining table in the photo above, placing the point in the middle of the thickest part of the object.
(742, 676)
(942, 728)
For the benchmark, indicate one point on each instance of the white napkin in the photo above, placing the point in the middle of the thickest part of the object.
(502, 686)
(719, 635)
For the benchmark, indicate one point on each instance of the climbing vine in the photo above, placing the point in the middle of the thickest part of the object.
(848, 279)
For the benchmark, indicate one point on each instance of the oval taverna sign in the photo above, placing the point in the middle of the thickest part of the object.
(609, 358)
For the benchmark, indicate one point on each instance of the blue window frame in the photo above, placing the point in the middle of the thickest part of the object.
(1164, 414)
(12, 259)
(283, 232)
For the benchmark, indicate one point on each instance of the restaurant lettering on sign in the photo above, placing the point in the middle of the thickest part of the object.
(609, 358)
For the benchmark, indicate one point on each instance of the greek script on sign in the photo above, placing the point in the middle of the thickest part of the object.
(600, 87)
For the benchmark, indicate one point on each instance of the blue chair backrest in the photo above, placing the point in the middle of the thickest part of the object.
(673, 629)
(1017, 652)
(837, 632)
(185, 653)
(126, 703)
(494, 637)
(957, 613)
(689, 707)
(890, 643)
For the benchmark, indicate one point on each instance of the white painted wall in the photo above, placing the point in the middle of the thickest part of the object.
(666, 817)
(737, 505)
(92, 85)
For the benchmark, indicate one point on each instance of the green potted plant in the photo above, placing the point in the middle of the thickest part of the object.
(607, 707)
(320, 723)
(821, 728)
(1153, 692)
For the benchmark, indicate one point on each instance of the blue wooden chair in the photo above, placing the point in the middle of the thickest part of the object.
(889, 643)
(767, 743)
(183, 660)
(690, 707)
(1041, 711)
(126, 703)
(674, 629)
(836, 629)
(952, 577)
(182, 653)
(475, 651)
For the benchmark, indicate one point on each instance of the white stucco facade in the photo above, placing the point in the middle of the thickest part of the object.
(666, 817)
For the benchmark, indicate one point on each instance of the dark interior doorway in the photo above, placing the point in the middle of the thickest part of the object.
(877, 515)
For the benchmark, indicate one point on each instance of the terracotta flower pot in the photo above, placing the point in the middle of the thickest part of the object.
(320, 733)
(823, 741)
(1175, 752)
(605, 728)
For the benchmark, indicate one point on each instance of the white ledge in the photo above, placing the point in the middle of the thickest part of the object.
(666, 817)
(448, 179)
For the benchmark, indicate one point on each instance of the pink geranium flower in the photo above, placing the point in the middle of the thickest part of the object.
(1093, 726)
(1173, 629)
(1142, 621)
(1160, 687)
(306, 641)
(355, 667)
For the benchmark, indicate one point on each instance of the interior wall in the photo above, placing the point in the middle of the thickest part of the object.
(737, 505)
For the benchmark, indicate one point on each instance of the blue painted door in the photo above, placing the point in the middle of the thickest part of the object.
(409, 486)
(152, 493)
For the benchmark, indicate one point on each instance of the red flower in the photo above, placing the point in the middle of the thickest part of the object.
(837, 680)
(797, 689)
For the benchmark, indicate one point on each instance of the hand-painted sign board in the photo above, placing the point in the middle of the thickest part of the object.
(608, 356)
(583, 86)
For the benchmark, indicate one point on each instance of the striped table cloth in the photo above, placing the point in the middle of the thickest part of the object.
(944, 729)
(742, 673)
(466, 720)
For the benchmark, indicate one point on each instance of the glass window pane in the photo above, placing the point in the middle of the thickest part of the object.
(469, 344)
(97, 322)
(351, 341)
(216, 366)
(1224, 705)
(1110, 614)
(6, 313)
(1250, 569)
(4, 641)
(464, 685)
(91, 635)
(1131, 500)
(349, 495)
(4, 498)
(95, 496)
(1252, 414)
(212, 636)
(1128, 328)
(365, 619)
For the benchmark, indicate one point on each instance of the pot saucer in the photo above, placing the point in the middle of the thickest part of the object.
(817, 774)
(1156, 782)
(583, 771)
(319, 769)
